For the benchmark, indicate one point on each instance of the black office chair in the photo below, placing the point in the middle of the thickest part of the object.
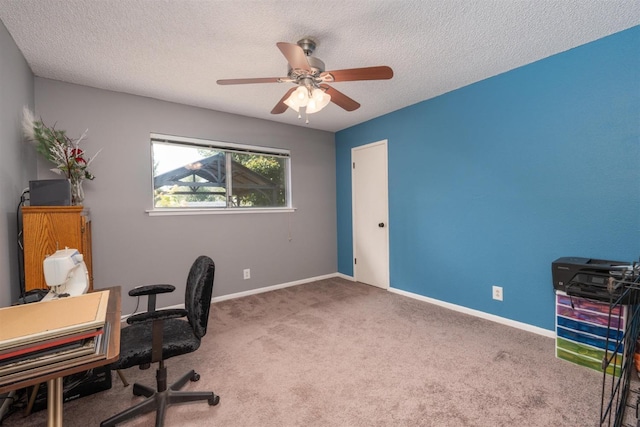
(157, 335)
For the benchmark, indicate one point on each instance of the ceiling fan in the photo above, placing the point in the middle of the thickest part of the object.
(307, 73)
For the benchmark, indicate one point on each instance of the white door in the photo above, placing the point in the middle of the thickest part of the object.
(370, 214)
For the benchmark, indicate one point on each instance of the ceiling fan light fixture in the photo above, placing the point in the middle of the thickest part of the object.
(298, 99)
(319, 100)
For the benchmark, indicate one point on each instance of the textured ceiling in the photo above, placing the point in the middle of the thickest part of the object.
(175, 50)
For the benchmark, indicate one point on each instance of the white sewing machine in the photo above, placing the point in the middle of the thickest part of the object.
(66, 274)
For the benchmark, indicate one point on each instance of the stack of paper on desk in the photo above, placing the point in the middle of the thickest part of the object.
(43, 337)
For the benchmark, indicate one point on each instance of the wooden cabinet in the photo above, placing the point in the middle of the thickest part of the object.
(49, 228)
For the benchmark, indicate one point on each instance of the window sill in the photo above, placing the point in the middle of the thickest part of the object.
(224, 211)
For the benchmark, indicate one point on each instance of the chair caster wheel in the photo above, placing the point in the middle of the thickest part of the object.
(214, 400)
(195, 377)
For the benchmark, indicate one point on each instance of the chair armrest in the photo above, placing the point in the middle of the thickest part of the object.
(172, 313)
(151, 290)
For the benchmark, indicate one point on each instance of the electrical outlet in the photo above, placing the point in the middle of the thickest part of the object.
(497, 293)
(246, 273)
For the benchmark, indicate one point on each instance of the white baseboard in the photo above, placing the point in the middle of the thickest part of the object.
(345, 277)
(274, 287)
(450, 306)
(478, 313)
(255, 291)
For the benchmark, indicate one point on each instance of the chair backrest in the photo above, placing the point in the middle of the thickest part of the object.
(198, 294)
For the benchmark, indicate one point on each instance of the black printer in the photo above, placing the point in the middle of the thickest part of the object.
(587, 277)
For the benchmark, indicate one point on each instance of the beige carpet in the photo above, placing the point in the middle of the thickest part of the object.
(337, 353)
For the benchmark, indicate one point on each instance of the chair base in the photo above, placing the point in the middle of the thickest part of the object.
(160, 400)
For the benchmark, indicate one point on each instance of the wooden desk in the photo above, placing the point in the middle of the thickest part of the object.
(54, 379)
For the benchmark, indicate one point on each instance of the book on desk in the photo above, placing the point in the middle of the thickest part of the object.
(44, 337)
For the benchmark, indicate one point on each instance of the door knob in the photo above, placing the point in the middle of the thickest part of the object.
(381, 225)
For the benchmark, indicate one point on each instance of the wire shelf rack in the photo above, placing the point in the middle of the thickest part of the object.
(620, 399)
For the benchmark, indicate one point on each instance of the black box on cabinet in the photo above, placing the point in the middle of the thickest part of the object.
(50, 192)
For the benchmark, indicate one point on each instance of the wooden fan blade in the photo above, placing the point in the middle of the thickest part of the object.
(353, 74)
(249, 81)
(295, 56)
(340, 99)
(281, 107)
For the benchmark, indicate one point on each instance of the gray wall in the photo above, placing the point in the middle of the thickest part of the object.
(17, 161)
(131, 248)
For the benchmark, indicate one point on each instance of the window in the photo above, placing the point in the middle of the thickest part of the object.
(194, 173)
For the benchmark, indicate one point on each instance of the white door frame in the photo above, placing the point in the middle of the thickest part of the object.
(385, 171)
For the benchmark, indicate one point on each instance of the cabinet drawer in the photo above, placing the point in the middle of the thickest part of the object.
(591, 340)
(601, 319)
(600, 331)
(587, 351)
(586, 362)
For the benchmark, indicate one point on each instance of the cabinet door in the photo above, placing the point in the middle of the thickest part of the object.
(45, 230)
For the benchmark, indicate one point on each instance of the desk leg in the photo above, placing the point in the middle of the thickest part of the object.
(32, 399)
(54, 402)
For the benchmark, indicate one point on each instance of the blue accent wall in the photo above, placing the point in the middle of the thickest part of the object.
(490, 183)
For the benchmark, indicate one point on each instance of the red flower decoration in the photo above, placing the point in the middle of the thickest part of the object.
(77, 153)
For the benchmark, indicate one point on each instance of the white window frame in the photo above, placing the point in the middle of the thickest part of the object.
(226, 147)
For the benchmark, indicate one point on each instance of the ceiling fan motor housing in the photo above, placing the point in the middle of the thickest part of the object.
(316, 65)
(308, 45)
